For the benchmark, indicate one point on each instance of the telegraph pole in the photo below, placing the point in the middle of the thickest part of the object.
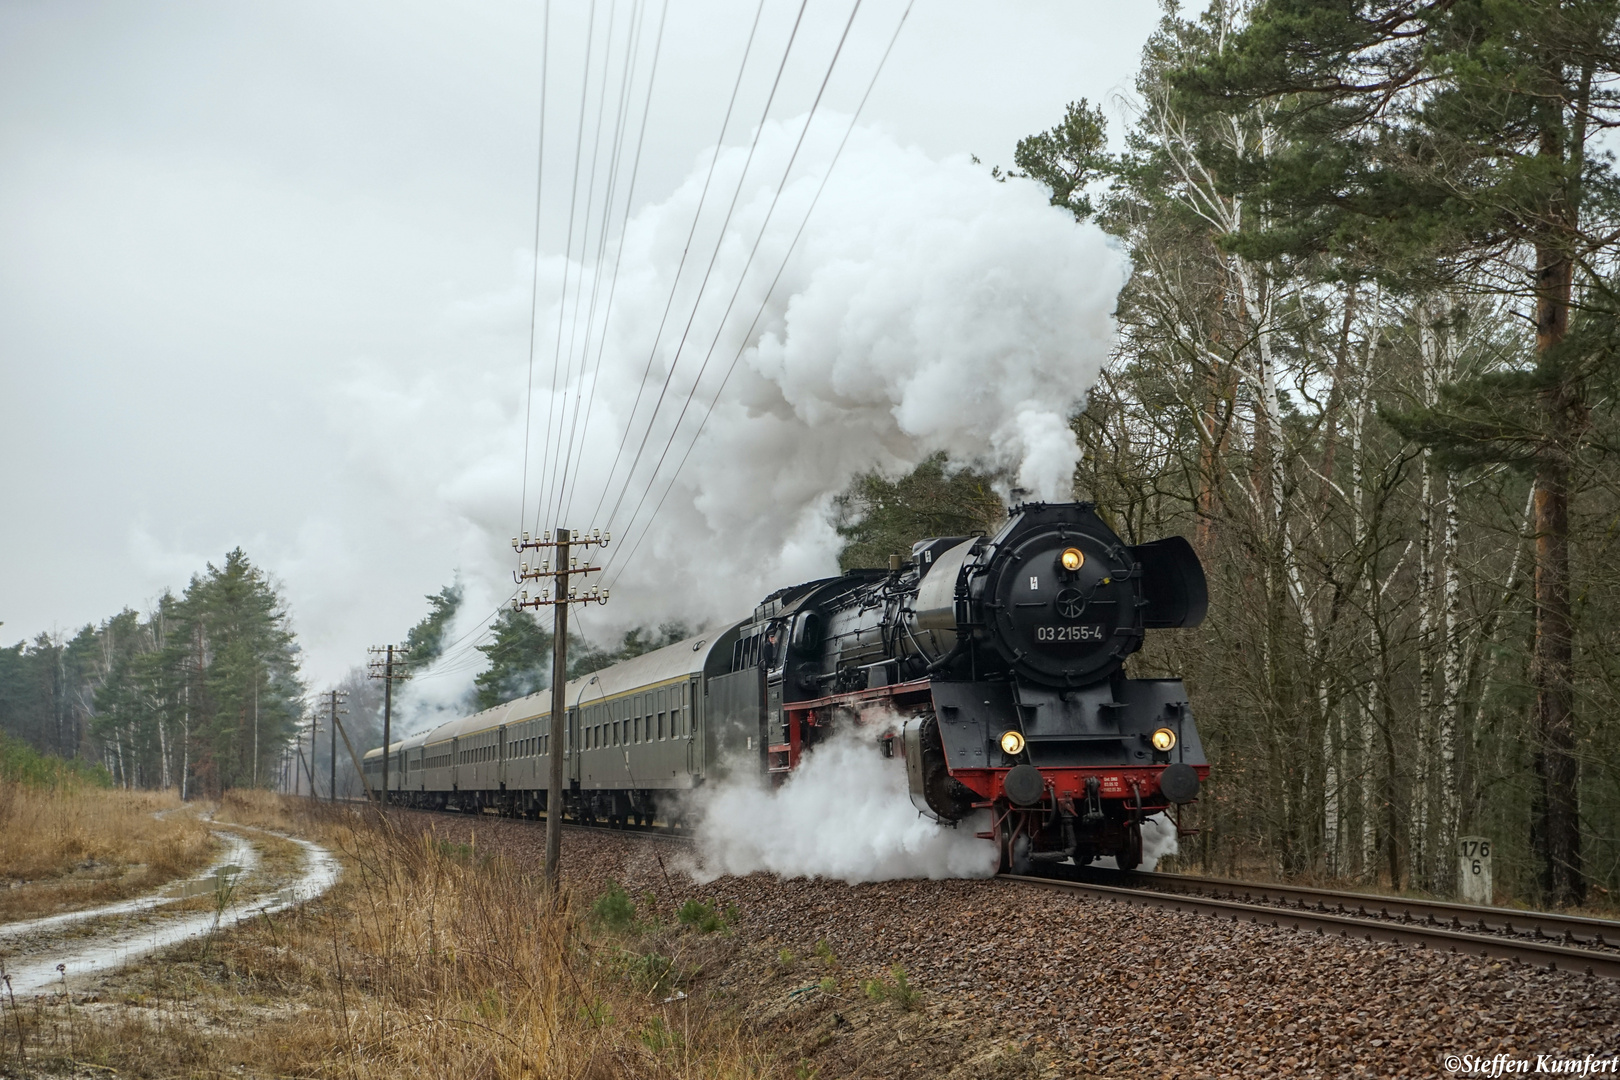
(332, 703)
(382, 667)
(567, 564)
(314, 729)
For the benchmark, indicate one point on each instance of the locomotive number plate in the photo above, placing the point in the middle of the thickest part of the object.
(1075, 634)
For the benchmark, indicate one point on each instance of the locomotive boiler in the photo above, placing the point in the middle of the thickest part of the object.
(994, 666)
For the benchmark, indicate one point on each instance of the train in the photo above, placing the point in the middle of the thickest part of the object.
(993, 666)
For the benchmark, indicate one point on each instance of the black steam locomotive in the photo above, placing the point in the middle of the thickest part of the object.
(993, 666)
(1004, 661)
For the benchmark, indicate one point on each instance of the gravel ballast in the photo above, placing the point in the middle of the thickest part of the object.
(1018, 981)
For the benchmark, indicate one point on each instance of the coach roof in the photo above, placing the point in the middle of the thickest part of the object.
(680, 660)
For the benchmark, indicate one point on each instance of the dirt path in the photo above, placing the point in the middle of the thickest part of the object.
(53, 953)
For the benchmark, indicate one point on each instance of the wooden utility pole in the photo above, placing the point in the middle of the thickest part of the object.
(557, 733)
(382, 667)
(332, 699)
(331, 783)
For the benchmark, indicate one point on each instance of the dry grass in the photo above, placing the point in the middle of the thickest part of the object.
(427, 960)
(70, 847)
(278, 813)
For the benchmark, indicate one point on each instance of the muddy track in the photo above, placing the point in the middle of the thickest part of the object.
(53, 953)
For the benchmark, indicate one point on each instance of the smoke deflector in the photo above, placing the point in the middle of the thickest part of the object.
(1173, 584)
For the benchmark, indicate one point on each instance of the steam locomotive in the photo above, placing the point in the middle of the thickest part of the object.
(993, 666)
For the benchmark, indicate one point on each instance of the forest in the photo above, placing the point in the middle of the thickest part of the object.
(204, 692)
(1366, 364)
(200, 694)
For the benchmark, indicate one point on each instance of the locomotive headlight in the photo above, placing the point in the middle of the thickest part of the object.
(1073, 559)
(1164, 739)
(1012, 742)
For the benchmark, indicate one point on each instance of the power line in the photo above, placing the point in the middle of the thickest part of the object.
(697, 301)
(631, 40)
(534, 281)
(613, 288)
(742, 276)
(719, 144)
(568, 247)
(631, 549)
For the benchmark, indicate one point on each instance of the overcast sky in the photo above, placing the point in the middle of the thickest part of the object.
(234, 236)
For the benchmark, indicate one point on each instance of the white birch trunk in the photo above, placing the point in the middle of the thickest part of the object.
(1365, 703)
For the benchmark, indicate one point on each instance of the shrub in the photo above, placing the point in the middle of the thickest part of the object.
(653, 973)
(699, 916)
(614, 910)
(900, 991)
(22, 764)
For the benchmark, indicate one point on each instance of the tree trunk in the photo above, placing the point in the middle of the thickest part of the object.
(1555, 835)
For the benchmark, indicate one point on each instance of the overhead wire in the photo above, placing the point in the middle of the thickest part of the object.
(652, 353)
(613, 286)
(568, 248)
(566, 357)
(697, 302)
(449, 659)
(742, 276)
(632, 41)
(534, 281)
(629, 555)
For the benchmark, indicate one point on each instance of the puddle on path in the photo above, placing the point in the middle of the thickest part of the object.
(238, 853)
(75, 960)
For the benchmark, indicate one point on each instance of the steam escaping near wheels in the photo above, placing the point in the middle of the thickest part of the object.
(844, 814)
(1158, 842)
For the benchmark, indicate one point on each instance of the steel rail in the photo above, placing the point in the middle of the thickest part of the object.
(1542, 925)
(1520, 950)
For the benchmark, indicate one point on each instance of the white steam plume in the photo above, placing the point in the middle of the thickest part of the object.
(926, 308)
(843, 814)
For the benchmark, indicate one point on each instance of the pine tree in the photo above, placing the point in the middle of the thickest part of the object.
(426, 640)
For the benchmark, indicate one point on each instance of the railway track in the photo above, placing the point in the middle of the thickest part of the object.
(1546, 939)
(1543, 939)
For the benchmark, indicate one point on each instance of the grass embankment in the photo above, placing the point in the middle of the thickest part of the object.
(428, 959)
(69, 840)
